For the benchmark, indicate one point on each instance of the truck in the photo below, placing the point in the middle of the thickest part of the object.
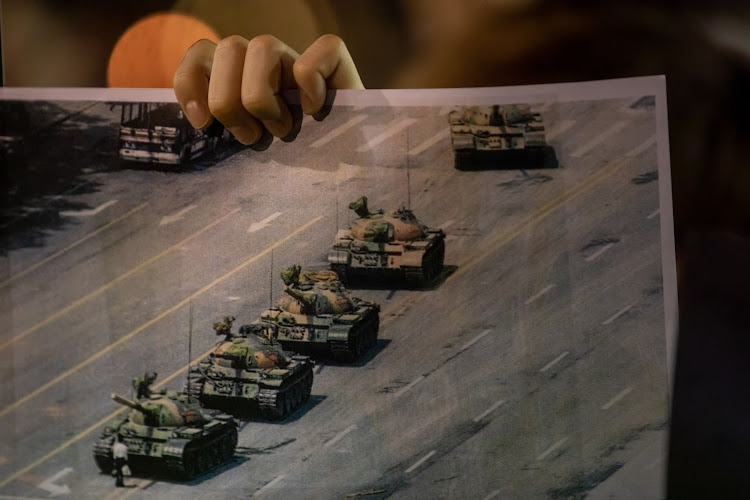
(158, 132)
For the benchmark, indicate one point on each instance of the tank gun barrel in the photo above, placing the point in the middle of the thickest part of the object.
(129, 403)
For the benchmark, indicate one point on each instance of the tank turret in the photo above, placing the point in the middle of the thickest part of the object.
(380, 246)
(249, 373)
(318, 314)
(170, 434)
(307, 300)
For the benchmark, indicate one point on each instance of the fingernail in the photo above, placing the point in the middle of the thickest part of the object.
(246, 135)
(197, 114)
(306, 103)
(278, 128)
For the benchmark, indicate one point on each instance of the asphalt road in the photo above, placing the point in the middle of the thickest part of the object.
(536, 367)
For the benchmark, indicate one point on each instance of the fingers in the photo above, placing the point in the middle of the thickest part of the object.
(239, 82)
(191, 83)
(224, 91)
(267, 70)
(325, 64)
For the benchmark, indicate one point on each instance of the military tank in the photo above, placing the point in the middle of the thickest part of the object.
(250, 374)
(379, 246)
(170, 434)
(318, 314)
(507, 136)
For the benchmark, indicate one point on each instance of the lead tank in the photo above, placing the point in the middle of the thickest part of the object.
(168, 434)
(501, 136)
(318, 314)
(250, 374)
(394, 246)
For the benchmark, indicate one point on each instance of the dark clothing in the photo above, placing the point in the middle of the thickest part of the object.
(119, 464)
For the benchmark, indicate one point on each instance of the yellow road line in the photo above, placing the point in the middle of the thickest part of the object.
(90, 429)
(539, 215)
(140, 486)
(496, 243)
(72, 245)
(112, 415)
(123, 493)
(147, 324)
(112, 283)
(505, 237)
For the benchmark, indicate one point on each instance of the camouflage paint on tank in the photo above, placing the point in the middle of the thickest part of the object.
(249, 373)
(168, 433)
(318, 314)
(391, 246)
(321, 292)
(508, 135)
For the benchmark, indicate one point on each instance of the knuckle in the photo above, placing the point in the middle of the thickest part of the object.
(331, 42)
(264, 42)
(182, 81)
(222, 108)
(232, 43)
(302, 68)
(254, 103)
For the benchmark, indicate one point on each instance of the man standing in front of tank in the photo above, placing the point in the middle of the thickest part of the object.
(120, 454)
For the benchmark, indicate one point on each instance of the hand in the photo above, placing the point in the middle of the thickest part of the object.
(239, 82)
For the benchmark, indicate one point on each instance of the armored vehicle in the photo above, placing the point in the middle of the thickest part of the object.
(396, 246)
(250, 374)
(168, 433)
(160, 133)
(317, 314)
(509, 136)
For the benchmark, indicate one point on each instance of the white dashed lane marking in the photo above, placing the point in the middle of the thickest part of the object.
(88, 213)
(488, 411)
(475, 339)
(599, 252)
(338, 131)
(539, 294)
(392, 130)
(338, 436)
(643, 147)
(269, 485)
(553, 362)
(615, 128)
(551, 449)
(420, 462)
(617, 398)
(558, 128)
(443, 134)
(411, 384)
(617, 314)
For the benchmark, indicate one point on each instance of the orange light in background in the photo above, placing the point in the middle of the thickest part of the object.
(150, 50)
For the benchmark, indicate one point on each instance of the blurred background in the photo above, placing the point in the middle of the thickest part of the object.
(77, 43)
(139, 43)
(702, 47)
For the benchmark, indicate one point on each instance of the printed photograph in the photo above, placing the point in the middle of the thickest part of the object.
(464, 293)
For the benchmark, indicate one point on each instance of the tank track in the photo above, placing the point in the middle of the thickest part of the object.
(103, 454)
(277, 404)
(432, 266)
(341, 271)
(463, 160)
(200, 457)
(365, 337)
